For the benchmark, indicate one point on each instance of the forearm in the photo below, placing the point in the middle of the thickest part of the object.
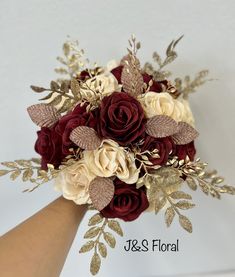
(39, 246)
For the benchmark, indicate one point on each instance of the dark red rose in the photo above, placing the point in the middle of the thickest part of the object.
(128, 202)
(156, 86)
(49, 146)
(164, 146)
(117, 72)
(121, 118)
(78, 117)
(182, 151)
(84, 75)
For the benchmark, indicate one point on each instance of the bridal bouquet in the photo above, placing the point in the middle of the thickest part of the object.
(119, 139)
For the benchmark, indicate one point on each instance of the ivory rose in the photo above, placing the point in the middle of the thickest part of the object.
(164, 104)
(105, 83)
(112, 160)
(73, 182)
(187, 115)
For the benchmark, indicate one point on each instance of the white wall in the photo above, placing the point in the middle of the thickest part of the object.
(31, 35)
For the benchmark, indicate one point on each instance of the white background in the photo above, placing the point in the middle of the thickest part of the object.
(31, 35)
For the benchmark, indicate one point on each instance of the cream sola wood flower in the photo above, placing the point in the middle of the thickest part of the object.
(164, 104)
(112, 160)
(73, 181)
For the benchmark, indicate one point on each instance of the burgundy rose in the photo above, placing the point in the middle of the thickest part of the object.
(84, 75)
(78, 117)
(128, 202)
(117, 72)
(156, 86)
(49, 146)
(182, 151)
(164, 146)
(121, 118)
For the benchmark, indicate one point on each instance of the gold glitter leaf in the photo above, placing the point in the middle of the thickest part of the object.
(187, 85)
(36, 161)
(95, 264)
(37, 89)
(161, 126)
(227, 189)
(73, 61)
(101, 191)
(184, 205)
(28, 168)
(102, 249)
(159, 204)
(3, 172)
(75, 87)
(115, 226)
(43, 115)
(185, 223)
(56, 100)
(25, 163)
(92, 232)
(180, 195)
(67, 105)
(191, 183)
(185, 135)
(15, 174)
(169, 216)
(54, 86)
(49, 96)
(9, 164)
(87, 246)
(109, 238)
(95, 219)
(160, 74)
(28, 173)
(85, 137)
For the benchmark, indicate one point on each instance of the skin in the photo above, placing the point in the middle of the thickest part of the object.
(39, 246)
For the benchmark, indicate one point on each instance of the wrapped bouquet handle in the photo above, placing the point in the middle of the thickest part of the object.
(119, 138)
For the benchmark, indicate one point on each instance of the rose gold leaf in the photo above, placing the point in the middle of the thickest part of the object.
(43, 115)
(161, 126)
(101, 191)
(131, 78)
(85, 137)
(185, 135)
(127, 59)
